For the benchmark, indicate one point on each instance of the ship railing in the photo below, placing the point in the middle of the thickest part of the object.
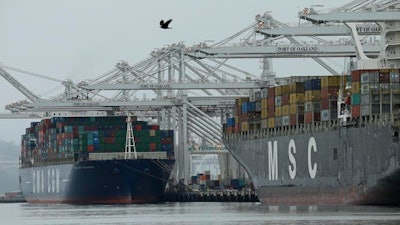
(323, 126)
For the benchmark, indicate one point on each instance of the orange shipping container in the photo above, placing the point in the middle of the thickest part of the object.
(355, 111)
(308, 117)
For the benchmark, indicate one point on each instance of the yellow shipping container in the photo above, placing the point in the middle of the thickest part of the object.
(296, 109)
(278, 110)
(240, 101)
(264, 113)
(312, 95)
(293, 109)
(278, 90)
(271, 122)
(285, 89)
(285, 110)
(297, 87)
(245, 126)
(296, 98)
(355, 87)
(330, 81)
(264, 103)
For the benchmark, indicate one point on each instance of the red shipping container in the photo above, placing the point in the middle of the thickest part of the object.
(285, 99)
(308, 117)
(355, 110)
(384, 78)
(329, 92)
(293, 120)
(90, 148)
(317, 116)
(355, 75)
(152, 146)
(237, 128)
(271, 107)
(271, 92)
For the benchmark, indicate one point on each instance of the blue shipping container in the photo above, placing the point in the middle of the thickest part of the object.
(314, 84)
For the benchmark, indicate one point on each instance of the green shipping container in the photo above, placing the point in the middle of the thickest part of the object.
(356, 99)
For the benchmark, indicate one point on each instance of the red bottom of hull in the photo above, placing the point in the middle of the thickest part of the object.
(116, 200)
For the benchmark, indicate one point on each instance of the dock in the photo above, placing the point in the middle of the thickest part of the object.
(212, 196)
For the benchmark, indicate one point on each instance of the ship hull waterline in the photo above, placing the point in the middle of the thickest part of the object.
(97, 182)
(342, 165)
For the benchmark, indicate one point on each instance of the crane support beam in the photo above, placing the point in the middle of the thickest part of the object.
(286, 51)
(339, 30)
(19, 86)
(174, 86)
(342, 17)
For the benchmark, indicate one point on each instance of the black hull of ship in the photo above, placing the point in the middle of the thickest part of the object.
(97, 182)
(322, 165)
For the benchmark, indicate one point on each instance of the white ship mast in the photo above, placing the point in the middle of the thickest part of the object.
(130, 139)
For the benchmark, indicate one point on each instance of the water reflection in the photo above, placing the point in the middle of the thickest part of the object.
(203, 213)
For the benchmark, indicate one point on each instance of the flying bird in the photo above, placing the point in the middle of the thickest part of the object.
(164, 25)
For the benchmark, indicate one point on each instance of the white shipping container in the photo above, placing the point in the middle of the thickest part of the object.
(365, 99)
(364, 89)
(325, 115)
(278, 100)
(264, 93)
(365, 110)
(364, 78)
(285, 120)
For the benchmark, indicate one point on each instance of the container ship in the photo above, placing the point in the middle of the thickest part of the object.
(321, 140)
(95, 160)
(326, 139)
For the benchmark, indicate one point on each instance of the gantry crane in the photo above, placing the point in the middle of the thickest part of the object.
(189, 87)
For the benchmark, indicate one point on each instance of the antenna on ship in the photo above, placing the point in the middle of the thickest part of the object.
(130, 139)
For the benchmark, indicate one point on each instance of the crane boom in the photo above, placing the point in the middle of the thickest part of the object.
(19, 86)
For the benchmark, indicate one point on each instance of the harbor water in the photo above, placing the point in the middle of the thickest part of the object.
(195, 213)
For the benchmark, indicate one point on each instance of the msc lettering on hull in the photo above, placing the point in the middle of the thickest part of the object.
(292, 167)
(49, 178)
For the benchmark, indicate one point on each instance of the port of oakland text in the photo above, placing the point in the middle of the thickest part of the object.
(298, 49)
(152, 86)
(292, 168)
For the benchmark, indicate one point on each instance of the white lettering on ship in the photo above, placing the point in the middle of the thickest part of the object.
(292, 159)
(273, 160)
(49, 184)
(292, 153)
(312, 169)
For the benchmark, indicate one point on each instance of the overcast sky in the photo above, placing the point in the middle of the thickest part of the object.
(77, 40)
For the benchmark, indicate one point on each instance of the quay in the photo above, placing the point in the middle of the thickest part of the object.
(212, 196)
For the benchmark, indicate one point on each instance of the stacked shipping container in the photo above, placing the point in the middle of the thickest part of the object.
(59, 138)
(305, 100)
